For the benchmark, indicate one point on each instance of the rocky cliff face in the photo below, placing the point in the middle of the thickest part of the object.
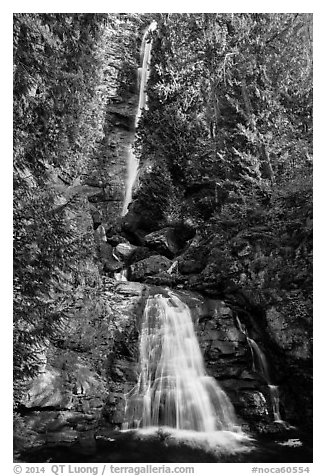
(86, 372)
(81, 392)
(86, 375)
(107, 171)
(89, 372)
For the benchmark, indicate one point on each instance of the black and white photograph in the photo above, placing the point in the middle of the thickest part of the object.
(163, 241)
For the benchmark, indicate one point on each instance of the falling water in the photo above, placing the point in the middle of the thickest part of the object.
(173, 389)
(143, 75)
(243, 329)
(121, 275)
(275, 397)
(260, 365)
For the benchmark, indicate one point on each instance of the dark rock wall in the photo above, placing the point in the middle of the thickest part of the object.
(87, 372)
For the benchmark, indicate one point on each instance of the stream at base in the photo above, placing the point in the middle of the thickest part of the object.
(159, 446)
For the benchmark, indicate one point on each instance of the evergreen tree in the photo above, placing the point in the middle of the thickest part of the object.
(59, 111)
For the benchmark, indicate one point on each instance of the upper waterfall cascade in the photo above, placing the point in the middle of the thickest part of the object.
(143, 75)
(173, 387)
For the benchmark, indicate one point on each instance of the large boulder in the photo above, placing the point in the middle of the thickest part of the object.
(124, 250)
(114, 238)
(253, 405)
(190, 266)
(161, 279)
(112, 266)
(100, 235)
(110, 263)
(163, 241)
(48, 390)
(149, 266)
(287, 334)
(65, 384)
(171, 240)
(140, 253)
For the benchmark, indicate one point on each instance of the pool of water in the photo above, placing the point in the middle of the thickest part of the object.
(162, 446)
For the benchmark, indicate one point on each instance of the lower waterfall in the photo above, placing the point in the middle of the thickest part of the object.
(260, 365)
(173, 388)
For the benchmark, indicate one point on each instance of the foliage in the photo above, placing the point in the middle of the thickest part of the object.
(60, 96)
(58, 90)
(230, 100)
(230, 123)
(271, 246)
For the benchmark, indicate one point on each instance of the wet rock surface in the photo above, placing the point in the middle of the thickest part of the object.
(148, 267)
(86, 373)
(169, 241)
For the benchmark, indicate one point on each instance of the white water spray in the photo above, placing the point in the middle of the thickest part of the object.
(121, 275)
(173, 388)
(143, 75)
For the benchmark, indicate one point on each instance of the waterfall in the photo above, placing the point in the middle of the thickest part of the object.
(260, 365)
(143, 75)
(243, 329)
(275, 397)
(173, 389)
(121, 275)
